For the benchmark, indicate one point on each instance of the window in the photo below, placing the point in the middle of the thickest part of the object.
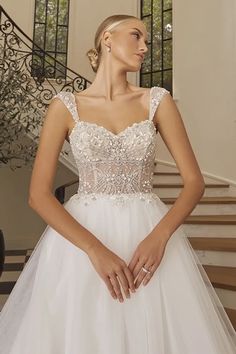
(51, 19)
(156, 69)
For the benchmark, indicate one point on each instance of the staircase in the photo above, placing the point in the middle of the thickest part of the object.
(211, 230)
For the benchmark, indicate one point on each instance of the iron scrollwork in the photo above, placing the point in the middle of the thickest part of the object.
(25, 92)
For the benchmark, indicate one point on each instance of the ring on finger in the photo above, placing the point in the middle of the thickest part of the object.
(146, 270)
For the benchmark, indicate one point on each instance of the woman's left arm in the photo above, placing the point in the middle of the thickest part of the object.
(172, 130)
(150, 250)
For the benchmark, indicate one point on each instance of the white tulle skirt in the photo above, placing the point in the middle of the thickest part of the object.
(60, 305)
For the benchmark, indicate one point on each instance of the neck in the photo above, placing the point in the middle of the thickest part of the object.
(110, 82)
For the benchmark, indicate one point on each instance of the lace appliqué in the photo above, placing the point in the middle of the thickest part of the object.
(66, 98)
(156, 97)
(116, 166)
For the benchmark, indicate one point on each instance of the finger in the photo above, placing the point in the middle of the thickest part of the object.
(139, 279)
(130, 278)
(138, 267)
(149, 275)
(133, 261)
(142, 275)
(124, 282)
(147, 278)
(116, 287)
(153, 268)
(110, 287)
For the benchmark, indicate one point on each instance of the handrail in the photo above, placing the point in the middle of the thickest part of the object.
(44, 73)
(30, 40)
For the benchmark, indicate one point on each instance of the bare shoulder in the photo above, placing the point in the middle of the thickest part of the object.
(142, 93)
(83, 93)
(138, 89)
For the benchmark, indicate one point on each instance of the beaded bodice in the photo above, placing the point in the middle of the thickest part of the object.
(114, 164)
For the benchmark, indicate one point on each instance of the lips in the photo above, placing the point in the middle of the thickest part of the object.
(141, 56)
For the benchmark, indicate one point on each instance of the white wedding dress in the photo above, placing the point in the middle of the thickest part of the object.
(60, 305)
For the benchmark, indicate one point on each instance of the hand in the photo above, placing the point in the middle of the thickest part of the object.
(109, 266)
(148, 254)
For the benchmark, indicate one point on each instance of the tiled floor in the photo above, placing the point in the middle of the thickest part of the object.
(14, 263)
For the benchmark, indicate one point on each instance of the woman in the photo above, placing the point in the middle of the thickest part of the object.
(113, 271)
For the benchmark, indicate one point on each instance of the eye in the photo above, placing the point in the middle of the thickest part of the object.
(137, 34)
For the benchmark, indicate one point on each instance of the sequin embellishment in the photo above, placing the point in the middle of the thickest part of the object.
(115, 166)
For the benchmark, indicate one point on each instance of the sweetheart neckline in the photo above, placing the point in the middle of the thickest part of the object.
(109, 131)
(105, 129)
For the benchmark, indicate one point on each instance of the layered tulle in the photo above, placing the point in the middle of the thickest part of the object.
(60, 305)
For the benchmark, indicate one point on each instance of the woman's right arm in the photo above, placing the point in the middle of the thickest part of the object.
(41, 199)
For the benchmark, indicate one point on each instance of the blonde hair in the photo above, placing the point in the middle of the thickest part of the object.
(94, 54)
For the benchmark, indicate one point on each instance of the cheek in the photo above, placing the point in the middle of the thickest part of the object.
(133, 41)
(124, 48)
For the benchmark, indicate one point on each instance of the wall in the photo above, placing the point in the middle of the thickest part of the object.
(21, 225)
(21, 12)
(204, 80)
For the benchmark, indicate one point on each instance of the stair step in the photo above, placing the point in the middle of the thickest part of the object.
(232, 316)
(166, 173)
(221, 277)
(6, 287)
(227, 297)
(227, 244)
(181, 185)
(211, 219)
(205, 200)
(18, 252)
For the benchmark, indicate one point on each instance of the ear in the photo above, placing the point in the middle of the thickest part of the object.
(106, 38)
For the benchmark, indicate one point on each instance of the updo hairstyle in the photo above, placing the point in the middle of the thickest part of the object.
(94, 54)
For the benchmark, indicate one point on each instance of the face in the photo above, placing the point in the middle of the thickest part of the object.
(128, 44)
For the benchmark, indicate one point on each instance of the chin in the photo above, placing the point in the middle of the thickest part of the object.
(134, 67)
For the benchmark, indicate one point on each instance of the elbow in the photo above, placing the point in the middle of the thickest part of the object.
(31, 201)
(35, 199)
(198, 184)
(202, 188)
(201, 184)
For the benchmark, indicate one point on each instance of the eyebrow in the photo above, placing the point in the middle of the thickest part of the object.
(146, 41)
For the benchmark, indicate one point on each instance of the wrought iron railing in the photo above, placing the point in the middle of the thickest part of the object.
(27, 90)
(22, 56)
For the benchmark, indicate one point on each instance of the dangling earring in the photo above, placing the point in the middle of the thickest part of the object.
(108, 49)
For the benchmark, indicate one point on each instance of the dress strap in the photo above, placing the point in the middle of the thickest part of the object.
(69, 101)
(156, 94)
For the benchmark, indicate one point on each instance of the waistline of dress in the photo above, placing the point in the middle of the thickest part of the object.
(119, 199)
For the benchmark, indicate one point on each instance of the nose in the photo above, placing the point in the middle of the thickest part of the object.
(144, 48)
